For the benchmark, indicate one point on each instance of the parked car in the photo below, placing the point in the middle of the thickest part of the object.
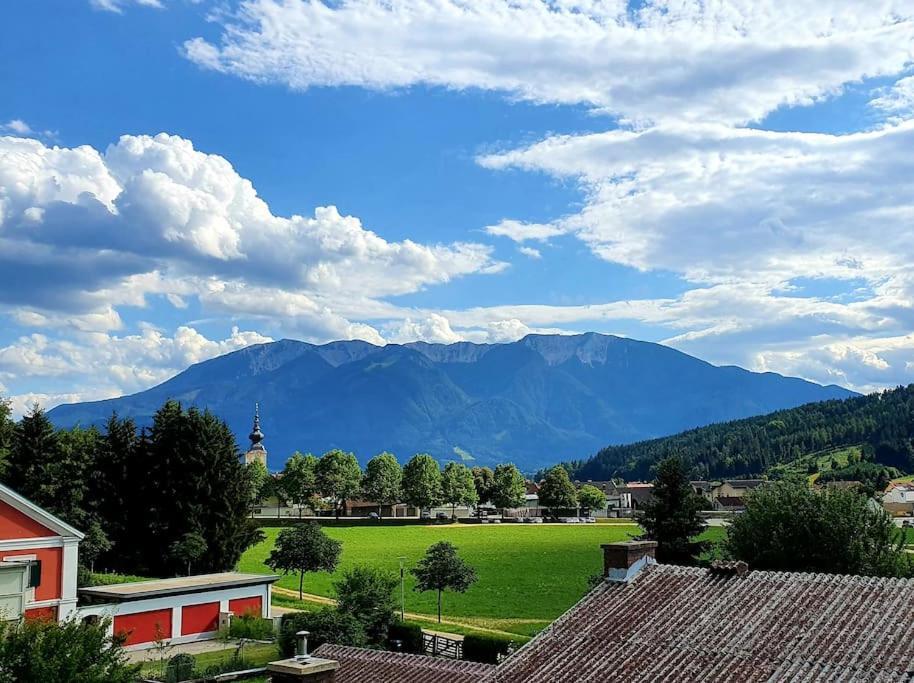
(425, 514)
(373, 515)
(442, 516)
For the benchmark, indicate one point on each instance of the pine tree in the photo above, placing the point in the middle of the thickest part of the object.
(671, 517)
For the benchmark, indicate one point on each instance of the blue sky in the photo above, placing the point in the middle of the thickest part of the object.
(179, 179)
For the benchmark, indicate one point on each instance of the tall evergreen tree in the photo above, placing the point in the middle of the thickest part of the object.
(671, 517)
(7, 429)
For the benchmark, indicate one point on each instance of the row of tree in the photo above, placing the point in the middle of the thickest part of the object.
(154, 502)
(308, 481)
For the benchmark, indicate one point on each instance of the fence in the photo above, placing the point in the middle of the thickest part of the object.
(438, 645)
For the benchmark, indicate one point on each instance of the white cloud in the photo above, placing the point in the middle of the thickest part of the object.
(434, 329)
(522, 232)
(897, 101)
(118, 5)
(716, 203)
(530, 252)
(17, 126)
(86, 230)
(730, 62)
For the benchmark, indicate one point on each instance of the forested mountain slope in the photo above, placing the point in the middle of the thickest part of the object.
(751, 446)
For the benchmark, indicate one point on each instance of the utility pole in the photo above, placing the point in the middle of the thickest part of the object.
(402, 590)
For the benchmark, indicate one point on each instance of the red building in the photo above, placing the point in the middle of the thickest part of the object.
(38, 567)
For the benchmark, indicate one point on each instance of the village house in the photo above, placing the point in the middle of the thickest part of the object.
(898, 499)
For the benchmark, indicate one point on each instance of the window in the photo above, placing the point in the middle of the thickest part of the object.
(34, 574)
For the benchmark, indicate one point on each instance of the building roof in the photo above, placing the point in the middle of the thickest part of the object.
(688, 623)
(731, 501)
(38, 514)
(744, 483)
(358, 665)
(140, 590)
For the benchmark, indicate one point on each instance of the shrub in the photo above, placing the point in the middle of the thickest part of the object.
(489, 649)
(252, 627)
(409, 635)
(327, 625)
(180, 668)
(367, 593)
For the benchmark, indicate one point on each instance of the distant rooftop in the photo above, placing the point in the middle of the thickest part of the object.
(138, 590)
(359, 665)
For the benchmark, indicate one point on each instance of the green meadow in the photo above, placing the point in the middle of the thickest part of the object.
(528, 575)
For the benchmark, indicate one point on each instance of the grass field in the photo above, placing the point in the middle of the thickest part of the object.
(528, 575)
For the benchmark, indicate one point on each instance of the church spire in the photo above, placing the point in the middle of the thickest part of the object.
(256, 436)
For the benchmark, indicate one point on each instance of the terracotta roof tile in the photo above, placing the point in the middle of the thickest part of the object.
(358, 665)
(681, 623)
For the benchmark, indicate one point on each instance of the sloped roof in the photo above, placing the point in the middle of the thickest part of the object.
(687, 623)
(731, 501)
(358, 665)
(38, 514)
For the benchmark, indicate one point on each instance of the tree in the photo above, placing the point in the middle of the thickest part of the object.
(458, 486)
(188, 549)
(257, 475)
(509, 488)
(671, 517)
(591, 498)
(789, 527)
(422, 482)
(326, 625)
(299, 480)
(557, 492)
(367, 593)
(74, 651)
(94, 545)
(442, 569)
(304, 548)
(339, 477)
(382, 482)
(7, 428)
(484, 481)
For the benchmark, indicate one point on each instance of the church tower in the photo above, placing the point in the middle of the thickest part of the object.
(257, 450)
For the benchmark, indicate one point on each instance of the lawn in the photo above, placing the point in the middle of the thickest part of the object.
(528, 575)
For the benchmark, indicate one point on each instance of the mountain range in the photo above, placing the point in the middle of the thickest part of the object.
(534, 402)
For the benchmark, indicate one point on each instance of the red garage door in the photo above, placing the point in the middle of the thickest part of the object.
(200, 618)
(144, 627)
(241, 606)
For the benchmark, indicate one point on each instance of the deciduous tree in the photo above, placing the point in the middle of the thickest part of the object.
(339, 477)
(382, 482)
(367, 593)
(443, 569)
(422, 482)
(458, 487)
(304, 548)
(591, 498)
(484, 480)
(509, 488)
(557, 492)
(299, 480)
(188, 549)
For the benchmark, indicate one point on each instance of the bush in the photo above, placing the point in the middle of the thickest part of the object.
(327, 625)
(409, 635)
(488, 649)
(367, 593)
(252, 627)
(180, 668)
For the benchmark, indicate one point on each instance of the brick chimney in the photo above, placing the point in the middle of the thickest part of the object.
(623, 560)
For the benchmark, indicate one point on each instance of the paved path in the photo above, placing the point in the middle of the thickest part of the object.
(323, 600)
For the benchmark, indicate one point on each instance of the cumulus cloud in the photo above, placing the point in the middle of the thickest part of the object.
(153, 211)
(17, 126)
(731, 62)
(898, 101)
(521, 232)
(530, 252)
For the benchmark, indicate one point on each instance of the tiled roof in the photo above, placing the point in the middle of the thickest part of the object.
(731, 501)
(690, 624)
(358, 665)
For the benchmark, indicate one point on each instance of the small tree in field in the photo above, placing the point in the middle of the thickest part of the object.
(442, 569)
(591, 498)
(304, 548)
(382, 480)
(458, 487)
(557, 492)
(671, 516)
(188, 549)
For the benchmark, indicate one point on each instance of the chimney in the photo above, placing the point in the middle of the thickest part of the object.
(623, 560)
(729, 568)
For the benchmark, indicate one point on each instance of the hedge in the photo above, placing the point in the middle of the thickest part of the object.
(327, 625)
(487, 649)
